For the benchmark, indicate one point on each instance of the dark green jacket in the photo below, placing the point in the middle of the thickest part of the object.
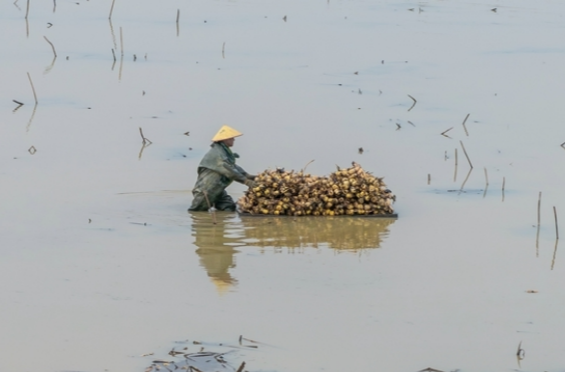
(218, 169)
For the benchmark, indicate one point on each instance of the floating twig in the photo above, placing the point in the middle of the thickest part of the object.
(52, 46)
(111, 9)
(465, 152)
(556, 227)
(414, 104)
(32, 88)
(445, 131)
(18, 102)
(539, 221)
(464, 127)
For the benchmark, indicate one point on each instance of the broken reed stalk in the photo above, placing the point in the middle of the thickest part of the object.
(539, 221)
(178, 17)
(445, 131)
(27, 9)
(210, 208)
(465, 152)
(307, 164)
(464, 127)
(122, 41)
(465, 181)
(32, 88)
(556, 227)
(145, 140)
(455, 174)
(240, 369)
(414, 104)
(539, 208)
(486, 186)
(111, 9)
(52, 46)
(554, 253)
(114, 55)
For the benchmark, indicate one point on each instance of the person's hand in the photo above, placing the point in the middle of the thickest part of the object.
(250, 183)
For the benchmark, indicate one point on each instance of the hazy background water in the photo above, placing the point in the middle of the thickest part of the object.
(101, 263)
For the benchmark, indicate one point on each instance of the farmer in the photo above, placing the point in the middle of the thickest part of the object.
(216, 171)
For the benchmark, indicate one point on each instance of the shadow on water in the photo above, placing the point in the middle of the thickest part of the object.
(218, 242)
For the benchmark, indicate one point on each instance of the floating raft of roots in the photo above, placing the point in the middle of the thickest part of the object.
(345, 192)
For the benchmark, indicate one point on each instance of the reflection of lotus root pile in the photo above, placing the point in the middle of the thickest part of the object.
(349, 191)
(342, 234)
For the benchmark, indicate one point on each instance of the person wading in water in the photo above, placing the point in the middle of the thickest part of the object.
(216, 171)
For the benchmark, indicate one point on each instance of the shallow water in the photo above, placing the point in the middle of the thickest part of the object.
(101, 263)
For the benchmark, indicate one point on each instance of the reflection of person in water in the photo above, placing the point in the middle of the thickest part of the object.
(215, 249)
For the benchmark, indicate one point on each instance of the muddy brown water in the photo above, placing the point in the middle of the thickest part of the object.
(101, 263)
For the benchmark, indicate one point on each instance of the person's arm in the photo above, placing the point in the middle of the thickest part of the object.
(234, 172)
(242, 171)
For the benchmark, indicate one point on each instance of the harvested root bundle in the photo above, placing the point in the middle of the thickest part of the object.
(350, 191)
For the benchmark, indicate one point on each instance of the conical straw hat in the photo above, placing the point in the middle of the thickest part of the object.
(226, 132)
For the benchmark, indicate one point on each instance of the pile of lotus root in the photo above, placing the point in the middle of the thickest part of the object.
(350, 191)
